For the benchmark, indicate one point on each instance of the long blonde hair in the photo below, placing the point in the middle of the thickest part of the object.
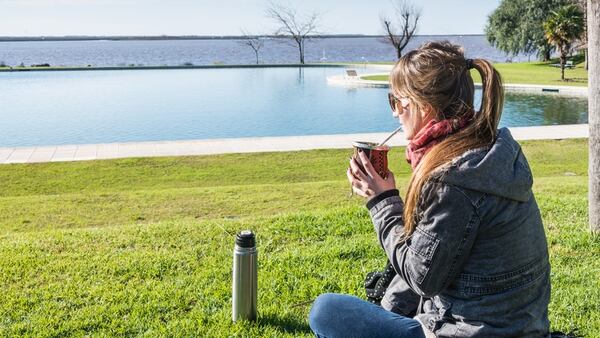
(437, 76)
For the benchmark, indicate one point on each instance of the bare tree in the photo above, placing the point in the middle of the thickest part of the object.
(253, 41)
(400, 31)
(593, 16)
(294, 26)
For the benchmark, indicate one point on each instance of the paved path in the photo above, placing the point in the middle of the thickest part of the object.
(240, 145)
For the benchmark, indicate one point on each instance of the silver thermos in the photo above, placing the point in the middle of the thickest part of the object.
(244, 276)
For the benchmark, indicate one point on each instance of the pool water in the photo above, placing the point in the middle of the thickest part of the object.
(77, 107)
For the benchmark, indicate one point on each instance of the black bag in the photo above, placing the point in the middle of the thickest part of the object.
(377, 282)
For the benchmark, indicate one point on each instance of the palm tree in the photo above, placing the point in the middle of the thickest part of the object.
(562, 28)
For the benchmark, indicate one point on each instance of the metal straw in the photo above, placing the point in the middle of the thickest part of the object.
(389, 137)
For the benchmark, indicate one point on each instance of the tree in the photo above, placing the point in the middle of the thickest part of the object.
(516, 26)
(564, 26)
(407, 20)
(583, 6)
(291, 25)
(593, 17)
(253, 41)
(503, 29)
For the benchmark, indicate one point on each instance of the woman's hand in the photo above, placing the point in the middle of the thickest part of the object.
(368, 183)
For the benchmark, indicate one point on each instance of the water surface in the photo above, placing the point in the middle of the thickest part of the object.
(52, 108)
(208, 52)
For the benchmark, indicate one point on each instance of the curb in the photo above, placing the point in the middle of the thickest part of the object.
(84, 152)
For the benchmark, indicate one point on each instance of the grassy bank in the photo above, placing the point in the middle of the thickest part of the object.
(143, 246)
(528, 73)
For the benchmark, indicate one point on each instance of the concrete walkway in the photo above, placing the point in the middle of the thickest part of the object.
(241, 145)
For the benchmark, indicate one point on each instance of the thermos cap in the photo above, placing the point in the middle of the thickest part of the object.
(245, 239)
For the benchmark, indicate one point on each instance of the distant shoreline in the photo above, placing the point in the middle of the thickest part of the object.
(95, 68)
(189, 37)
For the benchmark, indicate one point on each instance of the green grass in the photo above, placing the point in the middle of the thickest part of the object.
(527, 73)
(143, 246)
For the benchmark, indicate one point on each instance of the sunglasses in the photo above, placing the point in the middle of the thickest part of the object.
(404, 101)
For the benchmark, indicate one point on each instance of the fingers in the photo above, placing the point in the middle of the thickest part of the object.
(358, 173)
(367, 165)
(363, 193)
(354, 182)
(359, 187)
(351, 177)
(358, 191)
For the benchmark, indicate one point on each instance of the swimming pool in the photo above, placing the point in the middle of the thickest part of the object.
(79, 107)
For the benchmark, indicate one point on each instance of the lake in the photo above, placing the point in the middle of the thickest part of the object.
(224, 51)
(78, 107)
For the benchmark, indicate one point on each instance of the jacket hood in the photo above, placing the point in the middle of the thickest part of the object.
(501, 170)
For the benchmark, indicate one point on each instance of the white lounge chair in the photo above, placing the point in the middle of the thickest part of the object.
(351, 75)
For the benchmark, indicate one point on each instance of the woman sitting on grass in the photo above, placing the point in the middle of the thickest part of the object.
(468, 243)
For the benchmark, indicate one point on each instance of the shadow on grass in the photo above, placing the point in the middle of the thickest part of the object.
(558, 334)
(574, 79)
(285, 323)
(577, 59)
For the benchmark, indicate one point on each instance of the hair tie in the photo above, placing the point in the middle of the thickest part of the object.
(469, 63)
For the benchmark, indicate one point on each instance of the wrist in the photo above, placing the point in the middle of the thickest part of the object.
(371, 202)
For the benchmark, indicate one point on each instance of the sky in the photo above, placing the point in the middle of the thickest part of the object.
(224, 17)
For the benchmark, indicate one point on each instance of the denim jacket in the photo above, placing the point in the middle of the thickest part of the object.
(478, 256)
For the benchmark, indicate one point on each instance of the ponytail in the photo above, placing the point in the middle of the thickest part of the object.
(492, 100)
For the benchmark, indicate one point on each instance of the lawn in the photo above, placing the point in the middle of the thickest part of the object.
(143, 246)
(527, 73)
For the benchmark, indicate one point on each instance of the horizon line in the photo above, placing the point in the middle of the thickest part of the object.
(9, 38)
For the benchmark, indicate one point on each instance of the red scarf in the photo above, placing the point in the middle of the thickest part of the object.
(431, 134)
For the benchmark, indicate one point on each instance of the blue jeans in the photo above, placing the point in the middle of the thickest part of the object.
(335, 315)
